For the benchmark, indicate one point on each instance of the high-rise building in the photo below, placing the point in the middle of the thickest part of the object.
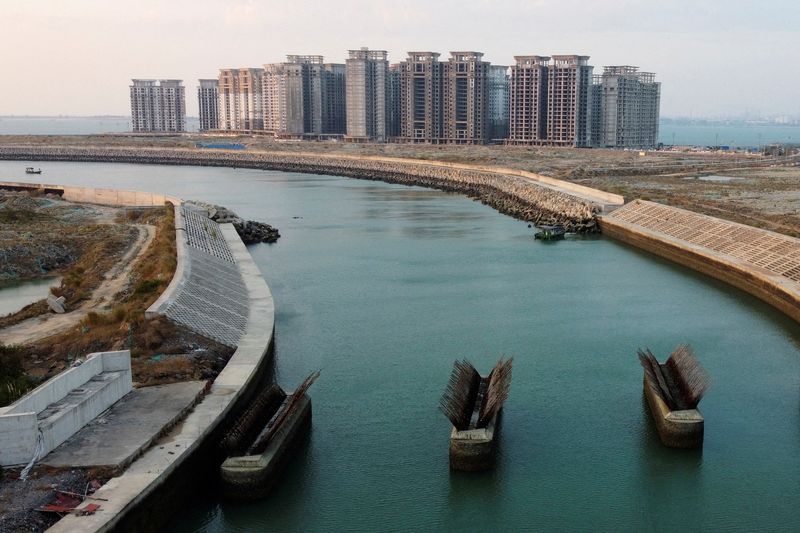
(208, 102)
(304, 96)
(528, 102)
(367, 81)
(498, 114)
(551, 101)
(626, 103)
(394, 111)
(158, 106)
(421, 98)
(240, 99)
(465, 99)
(569, 86)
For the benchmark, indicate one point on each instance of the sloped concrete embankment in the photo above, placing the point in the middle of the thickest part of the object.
(522, 195)
(136, 499)
(760, 262)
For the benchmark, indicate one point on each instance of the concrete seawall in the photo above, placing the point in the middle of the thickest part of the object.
(144, 480)
(760, 262)
(523, 195)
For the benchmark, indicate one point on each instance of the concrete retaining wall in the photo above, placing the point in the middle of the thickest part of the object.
(207, 293)
(155, 468)
(92, 195)
(767, 285)
(20, 422)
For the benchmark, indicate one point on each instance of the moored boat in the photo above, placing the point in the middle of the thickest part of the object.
(550, 233)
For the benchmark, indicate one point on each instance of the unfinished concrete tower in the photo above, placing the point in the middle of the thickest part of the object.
(528, 101)
(158, 106)
(569, 85)
(627, 103)
(421, 98)
(208, 104)
(240, 99)
(367, 88)
(465, 99)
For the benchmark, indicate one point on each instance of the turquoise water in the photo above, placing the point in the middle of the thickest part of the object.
(383, 286)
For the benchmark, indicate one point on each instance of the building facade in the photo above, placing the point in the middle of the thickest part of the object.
(240, 104)
(208, 104)
(626, 103)
(455, 102)
(394, 103)
(465, 99)
(303, 96)
(421, 98)
(551, 101)
(158, 106)
(528, 100)
(367, 79)
(498, 87)
(569, 86)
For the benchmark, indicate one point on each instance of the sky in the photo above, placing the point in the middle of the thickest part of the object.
(715, 58)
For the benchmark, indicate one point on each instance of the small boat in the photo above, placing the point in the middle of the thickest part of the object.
(473, 403)
(31, 170)
(550, 233)
(258, 453)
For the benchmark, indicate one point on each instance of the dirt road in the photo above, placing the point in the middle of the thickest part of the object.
(102, 298)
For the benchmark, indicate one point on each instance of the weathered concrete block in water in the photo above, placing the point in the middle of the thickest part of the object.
(677, 429)
(673, 390)
(473, 449)
(473, 404)
(250, 477)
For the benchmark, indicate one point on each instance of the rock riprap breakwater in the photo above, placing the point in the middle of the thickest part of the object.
(509, 194)
(250, 231)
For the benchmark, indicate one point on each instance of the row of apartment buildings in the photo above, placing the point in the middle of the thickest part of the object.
(540, 100)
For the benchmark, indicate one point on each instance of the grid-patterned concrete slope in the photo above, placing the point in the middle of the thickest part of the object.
(761, 262)
(211, 298)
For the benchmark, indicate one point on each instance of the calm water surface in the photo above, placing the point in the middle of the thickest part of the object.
(15, 296)
(383, 286)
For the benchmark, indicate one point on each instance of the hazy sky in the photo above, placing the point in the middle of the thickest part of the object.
(713, 57)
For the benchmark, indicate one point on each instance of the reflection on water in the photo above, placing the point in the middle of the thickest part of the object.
(15, 296)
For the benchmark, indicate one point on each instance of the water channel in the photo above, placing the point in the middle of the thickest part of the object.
(383, 286)
(16, 295)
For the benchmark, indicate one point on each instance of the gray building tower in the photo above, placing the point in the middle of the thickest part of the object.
(304, 96)
(465, 99)
(240, 99)
(158, 106)
(208, 104)
(498, 112)
(394, 103)
(367, 81)
(569, 86)
(528, 100)
(626, 105)
(421, 98)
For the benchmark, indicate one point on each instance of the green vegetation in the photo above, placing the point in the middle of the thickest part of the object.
(13, 382)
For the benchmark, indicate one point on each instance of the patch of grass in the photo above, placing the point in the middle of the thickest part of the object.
(13, 382)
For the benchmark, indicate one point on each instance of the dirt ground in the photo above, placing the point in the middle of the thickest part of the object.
(768, 198)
